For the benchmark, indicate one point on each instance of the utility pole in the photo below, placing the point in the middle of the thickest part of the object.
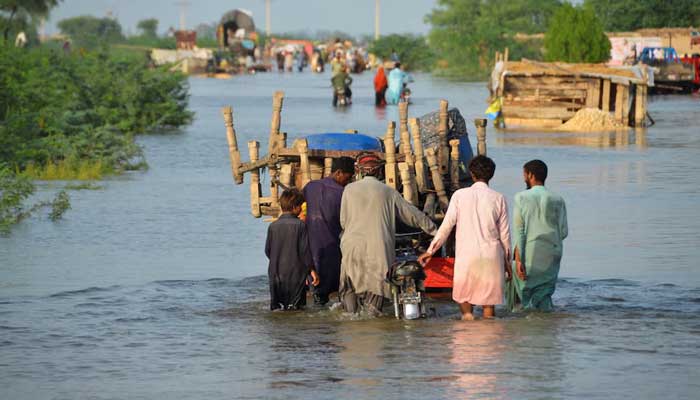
(183, 10)
(376, 19)
(268, 29)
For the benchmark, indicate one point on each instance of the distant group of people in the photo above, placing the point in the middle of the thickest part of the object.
(345, 242)
(389, 90)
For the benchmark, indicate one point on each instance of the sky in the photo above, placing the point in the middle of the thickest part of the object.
(355, 17)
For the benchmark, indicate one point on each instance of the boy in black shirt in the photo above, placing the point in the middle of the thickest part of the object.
(287, 247)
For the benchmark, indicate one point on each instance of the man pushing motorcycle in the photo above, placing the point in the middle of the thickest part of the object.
(368, 214)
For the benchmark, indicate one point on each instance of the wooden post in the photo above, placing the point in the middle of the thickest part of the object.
(480, 124)
(327, 166)
(443, 150)
(304, 166)
(233, 152)
(407, 181)
(390, 152)
(404, 136)
(421, 180)
(253, 149)
(593, 93)
(626, 105)
(640, 110)
(606, 95)
(505, 55)
(274, 189)
(406, 147)
(454, 164)
(275, 136)
(437, 178)
(618, 102)
(430, 204)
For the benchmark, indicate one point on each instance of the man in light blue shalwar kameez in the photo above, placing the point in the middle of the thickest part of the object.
(397, 77)
(539, 229)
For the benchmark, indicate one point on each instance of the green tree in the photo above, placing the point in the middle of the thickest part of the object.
(148, 27)
(22, 14)
(89, 31)
(576, 35)
(466, 33)
(629, 15)
(413, 50)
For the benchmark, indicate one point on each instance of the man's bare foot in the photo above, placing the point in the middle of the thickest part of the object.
(468, 317)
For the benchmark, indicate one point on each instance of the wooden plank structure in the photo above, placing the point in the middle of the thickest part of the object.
(426, 177)
(546, 95)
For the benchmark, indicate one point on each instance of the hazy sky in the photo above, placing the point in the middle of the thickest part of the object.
(351, 16)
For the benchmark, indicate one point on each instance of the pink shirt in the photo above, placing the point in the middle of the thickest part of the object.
(482, 244)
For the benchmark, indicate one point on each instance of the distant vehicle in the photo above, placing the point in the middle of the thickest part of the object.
(694, 61)
(670, 75)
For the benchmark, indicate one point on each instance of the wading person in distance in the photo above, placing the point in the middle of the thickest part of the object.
(323, 198)
(380, 85)
(368, 214)
(539, 230)
(287, 247)
(482, 260)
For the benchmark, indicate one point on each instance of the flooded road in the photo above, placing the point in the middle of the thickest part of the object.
(155, 286)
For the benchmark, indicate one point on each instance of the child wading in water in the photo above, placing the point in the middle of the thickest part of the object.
(287, 247)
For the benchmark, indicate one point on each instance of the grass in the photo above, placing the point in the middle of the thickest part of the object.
(66, 170)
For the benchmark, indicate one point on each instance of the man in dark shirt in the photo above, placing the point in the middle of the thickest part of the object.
(323, 222)
(287, 247)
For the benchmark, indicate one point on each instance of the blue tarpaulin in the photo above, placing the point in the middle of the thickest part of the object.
(343, 142)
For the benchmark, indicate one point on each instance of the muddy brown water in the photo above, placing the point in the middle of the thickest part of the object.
(154, 286)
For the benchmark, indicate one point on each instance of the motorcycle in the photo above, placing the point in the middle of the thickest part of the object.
(406, 278)
(340, 95)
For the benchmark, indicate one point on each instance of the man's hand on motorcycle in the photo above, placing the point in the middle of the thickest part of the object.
(424, 259)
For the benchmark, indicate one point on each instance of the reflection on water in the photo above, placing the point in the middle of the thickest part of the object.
(153, 287)
(620, 139)
(476, 352)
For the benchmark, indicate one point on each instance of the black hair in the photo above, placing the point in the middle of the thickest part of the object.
(291, 199)
(482, 168)
(537, 168)
(397, 65)
(344, 164)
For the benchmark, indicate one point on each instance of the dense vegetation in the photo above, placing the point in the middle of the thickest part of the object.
(467, 33)
(629, 15)
(81, 108)
(89, 32)
(413, 50)
(576, 35)
(74, 114)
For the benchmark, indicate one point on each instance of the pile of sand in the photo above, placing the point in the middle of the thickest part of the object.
(591, 120)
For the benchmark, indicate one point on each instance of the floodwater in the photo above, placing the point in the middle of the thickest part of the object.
(154, 286)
